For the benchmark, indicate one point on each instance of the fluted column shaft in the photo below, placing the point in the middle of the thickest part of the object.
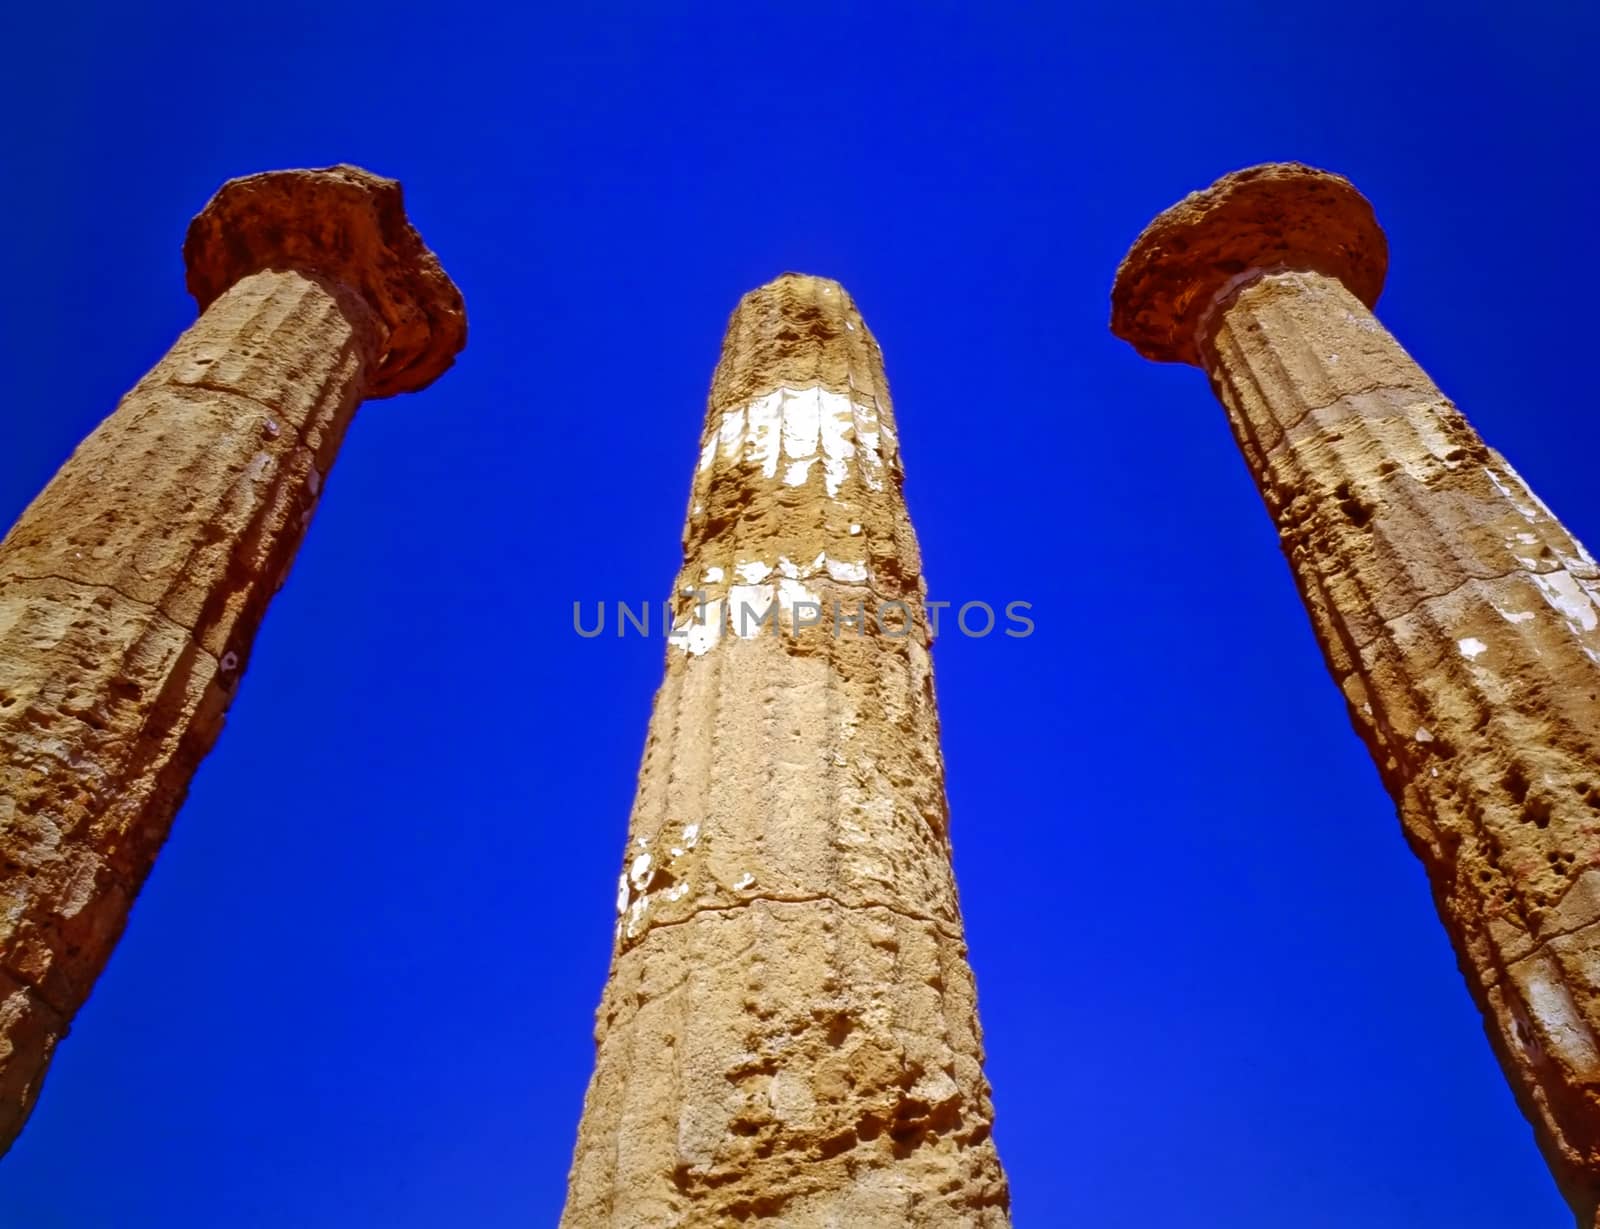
(1460, 619)
(1463, 624)
(790, 1029)
(131, 590)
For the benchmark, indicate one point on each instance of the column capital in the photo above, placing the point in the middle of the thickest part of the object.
(349, 226)
(1279, 215)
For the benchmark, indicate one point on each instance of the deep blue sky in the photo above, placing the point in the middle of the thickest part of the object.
(359, 987)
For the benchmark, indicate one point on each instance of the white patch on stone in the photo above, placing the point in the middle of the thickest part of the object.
(747, 609)
(802, 420)
(691, 834)
(791, 591)
(708, 454)
(1422, 735)
(699, 630)
(677, 893)
(753, 572)
(636, 915)
(1551, 1005)
(1526, 511)
(837, 424)
(803, 424)
(1471, 647)
(744, 881)
(639, 874)
(855, 529)
(1573, 601)
(795, 571)
(847, 573)
(714, 576)
(1582, 557)
(866, 433)
(1514, 616)
(314, 480)
(731, 432)
(1533, 511)
(763, 435)
(622, 893)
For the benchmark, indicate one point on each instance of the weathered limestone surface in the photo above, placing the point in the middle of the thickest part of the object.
(1460, 619)
(132, 587)
(790, 1029)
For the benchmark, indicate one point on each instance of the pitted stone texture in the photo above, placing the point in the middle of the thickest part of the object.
(346, 225)
(132, 587)
(1462, 623)
(1281, 215)
(229, 465)
(130, 593)
(790, 1029)
(106, 707)
(818, 1065)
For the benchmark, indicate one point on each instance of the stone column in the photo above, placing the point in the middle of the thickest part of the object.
(132, 587)
(1457, 615)
(790, 1028)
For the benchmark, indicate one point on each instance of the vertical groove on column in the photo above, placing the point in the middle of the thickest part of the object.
(785, 890)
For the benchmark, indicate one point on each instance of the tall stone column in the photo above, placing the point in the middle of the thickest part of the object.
(132, 587)
(790, 1028)
(1460, 619)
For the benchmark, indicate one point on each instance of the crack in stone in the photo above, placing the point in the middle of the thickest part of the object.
(1433, 597)
(212, 387)
(941, 926)
(912, 599)
(1543, 938)
(33, 992)
(1286, 428)
(192, 634)
(95, 584)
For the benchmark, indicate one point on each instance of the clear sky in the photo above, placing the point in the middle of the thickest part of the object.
(359, 987)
